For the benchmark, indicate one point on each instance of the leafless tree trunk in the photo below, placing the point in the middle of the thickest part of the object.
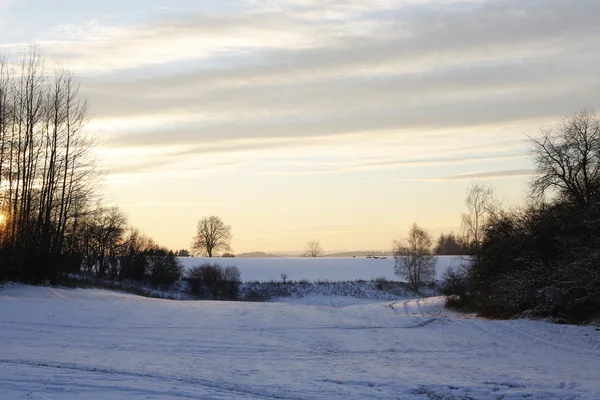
(212, 235)
(414, 260)
(480, 202)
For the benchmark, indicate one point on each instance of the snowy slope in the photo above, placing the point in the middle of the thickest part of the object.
(318, 268)
(94, 344)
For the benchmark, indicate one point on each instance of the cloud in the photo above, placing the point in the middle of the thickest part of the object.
(296, 73)
(510, 173)
(171, 205)
(390, 164)
(383, 67)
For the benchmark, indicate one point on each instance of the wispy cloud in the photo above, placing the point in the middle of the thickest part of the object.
(484, 175)
(170, 205)
(389, 164)
(281, 75)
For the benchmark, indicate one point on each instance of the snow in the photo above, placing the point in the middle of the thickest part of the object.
(368, 290)
(334, 269)
(93, 344)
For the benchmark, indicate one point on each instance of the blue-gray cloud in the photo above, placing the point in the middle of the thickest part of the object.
(279, 74)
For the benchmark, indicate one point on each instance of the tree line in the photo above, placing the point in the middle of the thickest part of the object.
(47, 173)
(51, 223)
(543, 259)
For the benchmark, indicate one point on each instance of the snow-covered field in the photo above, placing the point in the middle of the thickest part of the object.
(318, 268)
(93, 344)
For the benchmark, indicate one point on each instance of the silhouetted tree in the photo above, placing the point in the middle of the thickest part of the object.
(47, 174)
(313, 249)
(414, 260)
(567, 159)
(212, 235)
(479, 202)
(135, 249)
(102, 236)
(451, 244)
(165, 269)
(183, 253)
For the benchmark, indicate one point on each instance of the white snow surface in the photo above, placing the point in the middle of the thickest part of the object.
(93, 344)
(335, 269)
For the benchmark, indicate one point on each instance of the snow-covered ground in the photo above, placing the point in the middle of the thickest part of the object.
(318, 268)
(94, 344)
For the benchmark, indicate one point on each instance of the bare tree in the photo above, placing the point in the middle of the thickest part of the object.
(212, 235)
(102, 234)
(567, 159)
(414, 260)
(47, 173)
(479, 202)
(313, 249)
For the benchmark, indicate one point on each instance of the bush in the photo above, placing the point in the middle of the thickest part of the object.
(543, 261)
(165, 269)
(258, 295)
(214, 282)
(455, 286)
(380, 283)
(231, 282)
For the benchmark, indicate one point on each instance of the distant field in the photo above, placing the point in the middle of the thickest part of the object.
(314, 269)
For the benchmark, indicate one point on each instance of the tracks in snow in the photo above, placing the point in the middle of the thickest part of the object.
(413, 308)
(205, 384)
(56, 293)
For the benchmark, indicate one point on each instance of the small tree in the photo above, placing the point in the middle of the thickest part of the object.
(479, 202)
(313, 249)
(212, 235)
(414, 260)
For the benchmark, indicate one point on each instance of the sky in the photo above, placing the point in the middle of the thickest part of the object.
(342, 121)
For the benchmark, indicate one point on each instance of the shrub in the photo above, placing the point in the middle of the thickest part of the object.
(258, 295)
(380, 282)
(213, 281)
(165, 269)
(541, 260)
(231, 282)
